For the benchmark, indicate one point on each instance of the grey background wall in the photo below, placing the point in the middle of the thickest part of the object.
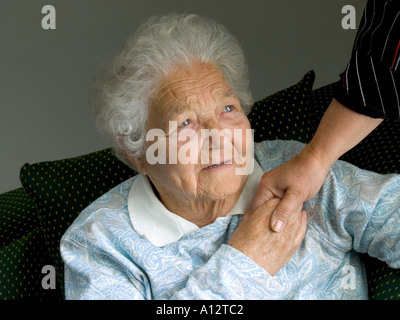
(45, 74)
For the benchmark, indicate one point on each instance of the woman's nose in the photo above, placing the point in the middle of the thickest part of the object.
(214, 136)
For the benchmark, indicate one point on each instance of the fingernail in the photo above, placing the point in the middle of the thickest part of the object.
(278, 225)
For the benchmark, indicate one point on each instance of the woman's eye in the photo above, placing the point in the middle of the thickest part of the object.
(228, 108)
(185, 123)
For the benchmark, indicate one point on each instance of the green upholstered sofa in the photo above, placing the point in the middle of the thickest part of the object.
(34, 216)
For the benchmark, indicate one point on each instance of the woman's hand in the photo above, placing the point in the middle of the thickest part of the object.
(294, 182)
(269, 249)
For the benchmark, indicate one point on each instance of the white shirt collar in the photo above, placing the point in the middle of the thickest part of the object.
(153, 221)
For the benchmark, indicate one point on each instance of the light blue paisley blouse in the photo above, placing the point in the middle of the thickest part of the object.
(355, 212)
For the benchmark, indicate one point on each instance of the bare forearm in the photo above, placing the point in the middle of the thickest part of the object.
(339, 131)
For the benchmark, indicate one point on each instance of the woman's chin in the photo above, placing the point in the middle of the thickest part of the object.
(220, 182)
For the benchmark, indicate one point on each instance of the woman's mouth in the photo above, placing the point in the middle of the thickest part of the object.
(214, 166)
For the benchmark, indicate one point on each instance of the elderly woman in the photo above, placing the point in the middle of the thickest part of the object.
(186, 229)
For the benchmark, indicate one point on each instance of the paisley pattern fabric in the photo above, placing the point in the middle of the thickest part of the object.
(355, 212)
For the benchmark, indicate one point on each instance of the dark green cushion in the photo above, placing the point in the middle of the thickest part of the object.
(383, 282)
(285, 115)
(18, 215)
(21, 263)
(380, 150)
(23, 252)
(62, 189)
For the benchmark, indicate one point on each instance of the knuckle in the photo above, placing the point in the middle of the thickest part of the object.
(295, 195)
(266, 175)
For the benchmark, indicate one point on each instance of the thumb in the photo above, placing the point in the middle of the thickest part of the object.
(290, 203)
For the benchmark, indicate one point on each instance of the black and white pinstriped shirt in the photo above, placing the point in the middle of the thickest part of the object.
(370, 84)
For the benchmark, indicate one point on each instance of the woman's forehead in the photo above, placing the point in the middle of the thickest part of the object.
(192, 102)
(189, 83)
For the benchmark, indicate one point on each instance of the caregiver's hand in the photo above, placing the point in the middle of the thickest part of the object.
(299, 179)
(269, 249)
(294, 182)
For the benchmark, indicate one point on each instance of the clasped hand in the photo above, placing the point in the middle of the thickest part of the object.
(271, 250)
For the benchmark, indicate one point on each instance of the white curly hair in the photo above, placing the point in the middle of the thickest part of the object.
(122, 93)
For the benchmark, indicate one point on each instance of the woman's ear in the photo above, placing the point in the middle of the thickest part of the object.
(137, 162)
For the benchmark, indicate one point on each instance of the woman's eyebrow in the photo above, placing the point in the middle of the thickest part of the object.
(229, 93)
(174, 112)
(221, 93)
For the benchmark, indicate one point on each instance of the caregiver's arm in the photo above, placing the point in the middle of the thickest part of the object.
(300, 178)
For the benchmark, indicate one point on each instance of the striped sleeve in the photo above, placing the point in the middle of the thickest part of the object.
(370, 84)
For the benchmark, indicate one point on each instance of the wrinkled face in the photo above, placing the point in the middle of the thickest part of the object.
(207, 136)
